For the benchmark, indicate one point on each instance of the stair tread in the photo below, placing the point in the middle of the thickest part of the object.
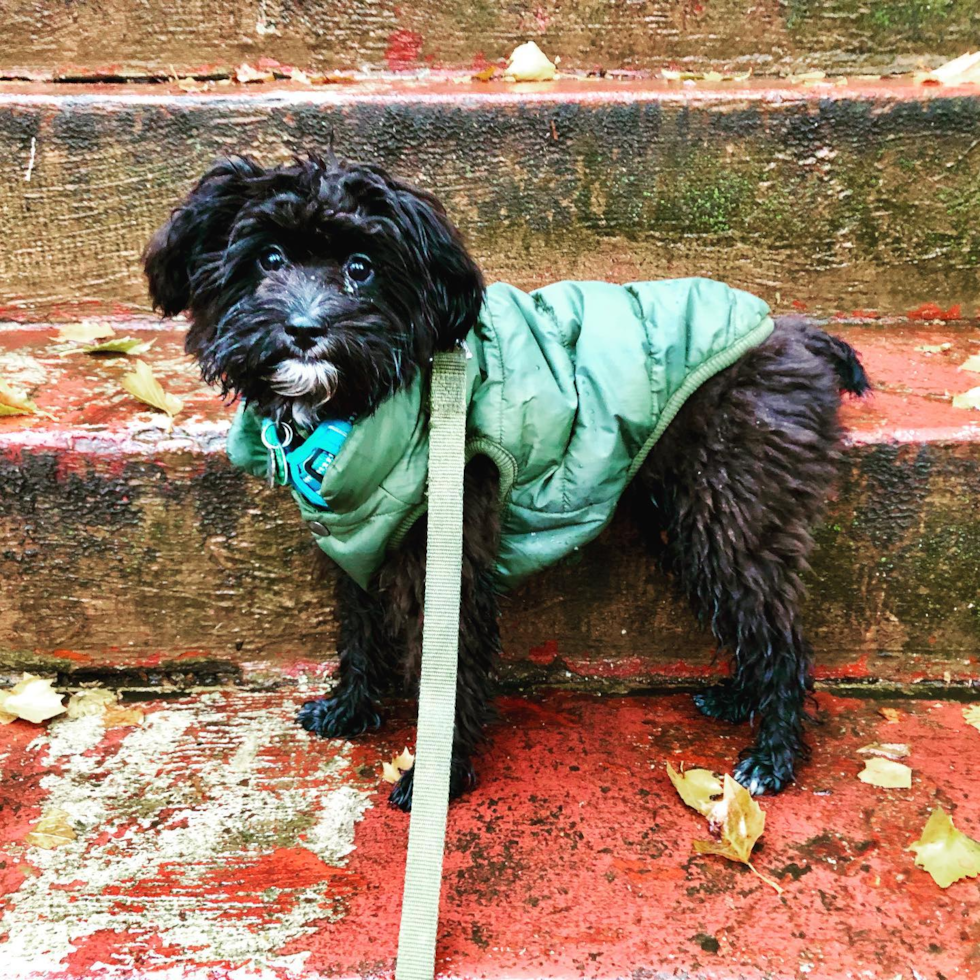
(911, 403)
(451, 86)
(219, 837)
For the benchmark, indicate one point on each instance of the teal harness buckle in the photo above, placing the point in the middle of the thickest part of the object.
(303, 468)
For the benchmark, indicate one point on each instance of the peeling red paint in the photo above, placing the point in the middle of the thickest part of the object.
(404, 48)
(930, 311)
(545, 654)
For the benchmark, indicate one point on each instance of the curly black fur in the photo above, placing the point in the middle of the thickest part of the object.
(729, 494)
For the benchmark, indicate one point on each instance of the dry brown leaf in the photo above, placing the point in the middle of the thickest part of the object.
(965, 68)
(528, 63)
(971, 714)
(132, 346)
(52, 830)
(392, 771)
(934, 348)
(245, 74)
(886, 773)
(31, 699)
(13, 402)
(887, 750)
(891, 715)
(972, 363)
(92, 702)
(945, 852)
(85, 332)
(967, 399)
(141, 383)
(696, 787)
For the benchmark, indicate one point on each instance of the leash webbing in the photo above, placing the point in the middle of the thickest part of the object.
(437, 689)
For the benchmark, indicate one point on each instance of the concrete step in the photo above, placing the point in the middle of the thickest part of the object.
(838, 197)
(220, 842)
(114, 38)
(137, 553)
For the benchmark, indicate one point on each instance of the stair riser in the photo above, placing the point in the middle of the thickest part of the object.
(176, 566)
(822, 198)
(115, 38)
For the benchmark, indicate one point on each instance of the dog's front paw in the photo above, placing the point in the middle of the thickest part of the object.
(462, 778)
(763, 771)
(337, 717)
(723, 702)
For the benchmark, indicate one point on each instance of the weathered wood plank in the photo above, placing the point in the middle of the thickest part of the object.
(51, 38)
(836, 198)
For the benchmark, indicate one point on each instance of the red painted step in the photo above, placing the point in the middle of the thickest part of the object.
(131, 548)
(220, 841)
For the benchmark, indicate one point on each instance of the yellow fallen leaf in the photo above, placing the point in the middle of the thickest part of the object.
(887, 750)
(741, 822)
(891, 715)
(32, 699)
(106, 705)
(972, 363)
(486, 74)
(528, 63)
(967, 399)
(696, 787)
(972, 715)
(245, 73)
(965, 68)
(816, 75)
(886, 773)
(52, 830)
(392, 771)
(142, 384)
(114, 345)
(13, 402)
(119, 716)
(85, 332)
(934, 348)
(93, 702)
(191, 85)
(945, 852)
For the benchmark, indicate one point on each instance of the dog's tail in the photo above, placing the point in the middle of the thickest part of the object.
(847, 365)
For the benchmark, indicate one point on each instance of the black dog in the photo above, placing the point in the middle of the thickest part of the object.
(318, 289)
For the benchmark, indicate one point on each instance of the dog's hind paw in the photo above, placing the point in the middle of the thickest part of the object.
(462, 778)
(762, 772)
(722, 702)
(337, 717)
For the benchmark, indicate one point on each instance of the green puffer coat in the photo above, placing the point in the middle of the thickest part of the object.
(569, 388)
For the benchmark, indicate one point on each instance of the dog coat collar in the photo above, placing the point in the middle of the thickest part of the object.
(302, 468)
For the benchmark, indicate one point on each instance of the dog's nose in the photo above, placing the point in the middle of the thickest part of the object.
(300, 329)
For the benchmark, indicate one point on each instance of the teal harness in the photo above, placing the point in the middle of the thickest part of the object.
(302, 468)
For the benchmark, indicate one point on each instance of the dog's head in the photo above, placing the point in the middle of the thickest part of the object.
(315, 289)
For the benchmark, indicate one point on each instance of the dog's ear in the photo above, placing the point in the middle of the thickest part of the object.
(455, 288)
(198, 227)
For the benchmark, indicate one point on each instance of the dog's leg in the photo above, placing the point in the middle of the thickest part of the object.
(350, 709)
(479, 636)
(738, 480)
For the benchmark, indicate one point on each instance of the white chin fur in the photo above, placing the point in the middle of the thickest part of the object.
(300, 379)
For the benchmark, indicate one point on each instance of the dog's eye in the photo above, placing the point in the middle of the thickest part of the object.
(359, 269)
(272, 259)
